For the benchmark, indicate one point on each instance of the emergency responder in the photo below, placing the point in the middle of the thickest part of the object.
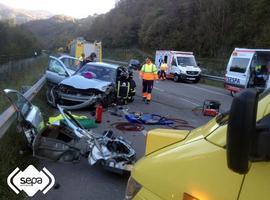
(148, 73)
(260, 75)
(82, 57)
(163, 69)
(91, 58)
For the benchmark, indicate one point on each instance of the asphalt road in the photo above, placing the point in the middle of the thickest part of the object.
(175, 100)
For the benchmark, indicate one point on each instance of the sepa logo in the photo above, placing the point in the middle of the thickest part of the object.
(30, 180)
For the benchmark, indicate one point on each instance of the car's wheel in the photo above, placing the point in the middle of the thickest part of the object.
(176, 78)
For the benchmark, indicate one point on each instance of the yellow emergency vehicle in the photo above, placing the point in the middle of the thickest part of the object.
(226, 159)
(80, 46)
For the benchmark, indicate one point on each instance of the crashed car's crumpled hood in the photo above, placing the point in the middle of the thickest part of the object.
(80, 82)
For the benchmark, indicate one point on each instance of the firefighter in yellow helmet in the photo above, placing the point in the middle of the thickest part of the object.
(148, 74)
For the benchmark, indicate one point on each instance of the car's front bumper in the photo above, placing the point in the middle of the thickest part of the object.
(77, 98)
(78, 101)
(190, 77)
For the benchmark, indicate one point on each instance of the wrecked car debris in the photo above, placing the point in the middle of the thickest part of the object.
(69, 141)
(94, 82)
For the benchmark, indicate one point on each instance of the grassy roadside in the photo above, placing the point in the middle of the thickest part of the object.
(125, 54)
(212, 83)
(14, 152)
(14, 75)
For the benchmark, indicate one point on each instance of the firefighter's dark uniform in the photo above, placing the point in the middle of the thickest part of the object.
(148, 73)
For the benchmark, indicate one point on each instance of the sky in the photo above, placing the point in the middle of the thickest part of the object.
(74, 8)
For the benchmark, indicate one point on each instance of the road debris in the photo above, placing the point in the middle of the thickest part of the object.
(69, 141)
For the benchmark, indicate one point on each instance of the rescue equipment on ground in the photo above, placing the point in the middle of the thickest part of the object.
(211, 108)
(152, 119)
(99, 111)
(83, 120)
(116, 110)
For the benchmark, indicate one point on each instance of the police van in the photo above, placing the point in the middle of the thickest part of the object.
(181, 65)
(248, 68)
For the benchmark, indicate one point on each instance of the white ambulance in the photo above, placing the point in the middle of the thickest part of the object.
(181, 65)
(248, 68)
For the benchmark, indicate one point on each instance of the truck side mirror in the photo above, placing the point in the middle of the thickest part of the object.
(241, 130)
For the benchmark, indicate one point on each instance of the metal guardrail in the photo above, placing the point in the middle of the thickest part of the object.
(205, 76)
(9, 115)
(115, 62)
(213, 78)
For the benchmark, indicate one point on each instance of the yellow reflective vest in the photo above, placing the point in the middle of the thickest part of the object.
(149, 72)
(164, 67)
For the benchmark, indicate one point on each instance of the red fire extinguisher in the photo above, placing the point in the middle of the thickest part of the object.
(99, 111)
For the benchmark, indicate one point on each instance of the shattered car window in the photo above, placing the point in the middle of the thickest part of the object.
(70, 63)
(56, 67)
(99, 72)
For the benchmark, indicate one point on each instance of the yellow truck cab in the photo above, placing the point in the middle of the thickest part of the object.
(226, 159)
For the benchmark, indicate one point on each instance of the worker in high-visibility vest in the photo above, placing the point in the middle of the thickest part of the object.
(163, 69)
(148, 73)
(81, 60)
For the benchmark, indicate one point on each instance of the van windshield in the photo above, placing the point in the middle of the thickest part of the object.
(186, 61)
(239, 65)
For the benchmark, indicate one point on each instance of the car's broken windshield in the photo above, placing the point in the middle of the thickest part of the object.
(98, 72)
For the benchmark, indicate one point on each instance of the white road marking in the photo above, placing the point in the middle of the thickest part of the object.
(158, 89)
(196, 104)
(207, 90)
(161, 90)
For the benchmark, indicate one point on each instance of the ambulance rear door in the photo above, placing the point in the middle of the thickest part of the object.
(238, 70)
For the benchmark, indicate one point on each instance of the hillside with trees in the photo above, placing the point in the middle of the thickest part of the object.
(58, 30)
(16, 42)
(208, 27)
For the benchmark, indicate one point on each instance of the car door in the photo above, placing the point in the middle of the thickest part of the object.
(71, 64)
(56, 143)
(29, 116)
(173, 66)
(56, 71)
